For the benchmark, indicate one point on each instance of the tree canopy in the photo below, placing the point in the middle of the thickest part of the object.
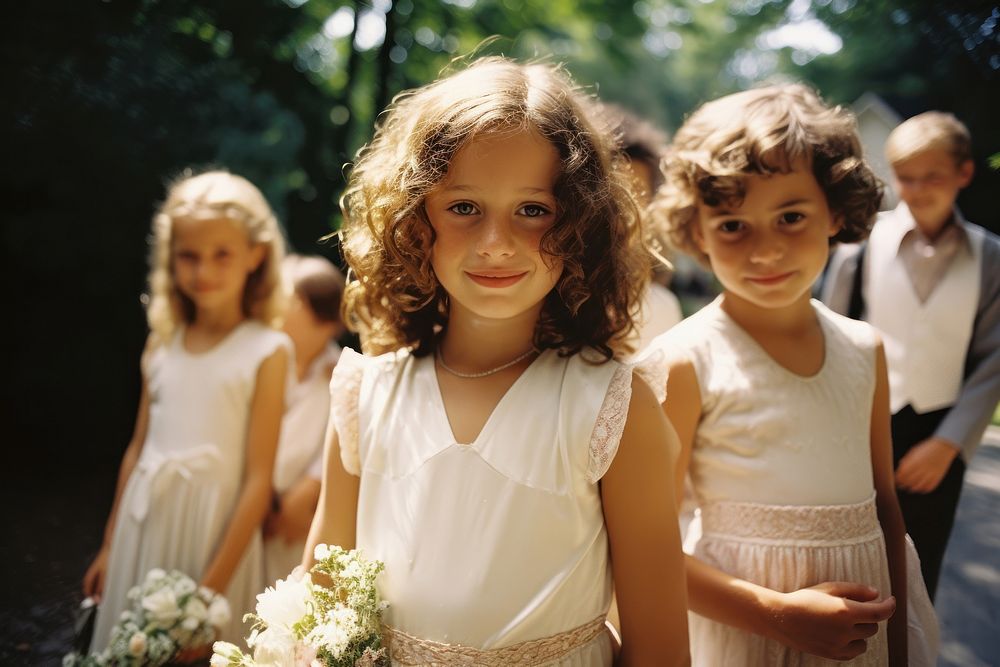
(106, 100)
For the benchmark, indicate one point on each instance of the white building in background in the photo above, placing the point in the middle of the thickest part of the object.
(876, 120)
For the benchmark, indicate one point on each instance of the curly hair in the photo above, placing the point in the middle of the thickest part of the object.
(214, 194)
(393, 296)
(765, 131)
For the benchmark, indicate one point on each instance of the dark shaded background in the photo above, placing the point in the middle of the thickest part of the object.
(102, 102)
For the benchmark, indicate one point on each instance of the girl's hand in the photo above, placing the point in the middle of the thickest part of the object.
(923, 467)
(293, 513)
(831, 620)
(93, 580)
(272, 525)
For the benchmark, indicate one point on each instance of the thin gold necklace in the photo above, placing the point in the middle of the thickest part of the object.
(482, 374)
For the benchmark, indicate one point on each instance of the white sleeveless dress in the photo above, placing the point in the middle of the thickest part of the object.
(781, 471)
(177, 502)
(495, 552)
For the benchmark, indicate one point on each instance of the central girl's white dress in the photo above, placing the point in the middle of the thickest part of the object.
(177, 503)
(495, 551)
(781, 470)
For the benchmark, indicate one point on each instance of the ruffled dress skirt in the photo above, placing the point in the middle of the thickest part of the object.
(786, 548)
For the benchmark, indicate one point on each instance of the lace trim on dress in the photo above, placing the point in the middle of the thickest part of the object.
(405, 649)
(345, 387)
(814, 524)
(653, 368)
(610, 423)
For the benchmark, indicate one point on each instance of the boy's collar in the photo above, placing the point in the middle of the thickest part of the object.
(903, 224)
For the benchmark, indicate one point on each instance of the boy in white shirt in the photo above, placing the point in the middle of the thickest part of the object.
(930, 282)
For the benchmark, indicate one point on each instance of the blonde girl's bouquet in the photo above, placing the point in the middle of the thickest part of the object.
(168, 613)
(300, 623)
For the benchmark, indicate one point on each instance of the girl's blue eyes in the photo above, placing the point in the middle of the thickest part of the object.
(533, 210)
(528, 210)
(463, 208)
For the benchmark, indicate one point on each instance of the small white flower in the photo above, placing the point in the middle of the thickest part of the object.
(284, 605)
(137, 644)
(155, 574)
(321, 552)
(275, 647)
(185, 586)
(219, 612)
(218, 661)
(225, 648)
(353, 570)
(190, 623)
(196, 609)
(161, 607)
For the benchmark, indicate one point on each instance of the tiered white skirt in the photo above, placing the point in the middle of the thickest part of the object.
(786, 548)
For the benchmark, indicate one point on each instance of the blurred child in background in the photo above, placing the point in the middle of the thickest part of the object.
(937, 307)
(312, 321)
(195, 480)
(643, 146)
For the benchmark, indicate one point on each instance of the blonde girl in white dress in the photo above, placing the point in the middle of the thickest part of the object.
(781, 405)
(195, 480)
(495, 455)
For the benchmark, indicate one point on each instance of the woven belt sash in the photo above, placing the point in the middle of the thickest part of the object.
(405, 649)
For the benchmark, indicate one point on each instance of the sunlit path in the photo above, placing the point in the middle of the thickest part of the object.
(969, 593)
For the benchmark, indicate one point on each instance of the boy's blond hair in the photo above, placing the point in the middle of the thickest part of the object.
(762, 132)
(929, 131)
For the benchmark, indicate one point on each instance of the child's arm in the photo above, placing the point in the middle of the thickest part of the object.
(296, 508)
(93, 580)
(889, 514)
(251, 506)
(831, 619)
(336, 516)
(646, 555)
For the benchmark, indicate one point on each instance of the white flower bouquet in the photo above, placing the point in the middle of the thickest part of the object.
(169, 613)
(300, 623)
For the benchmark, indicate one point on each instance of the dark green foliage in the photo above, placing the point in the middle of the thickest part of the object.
(103, 101)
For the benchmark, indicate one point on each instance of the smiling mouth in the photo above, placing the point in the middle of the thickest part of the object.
(496, 278)
(773, 279)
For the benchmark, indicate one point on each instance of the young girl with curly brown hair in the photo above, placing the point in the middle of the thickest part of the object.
(495, 455)
(780, 404)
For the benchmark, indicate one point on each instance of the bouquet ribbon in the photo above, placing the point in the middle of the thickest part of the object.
(155, 466)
